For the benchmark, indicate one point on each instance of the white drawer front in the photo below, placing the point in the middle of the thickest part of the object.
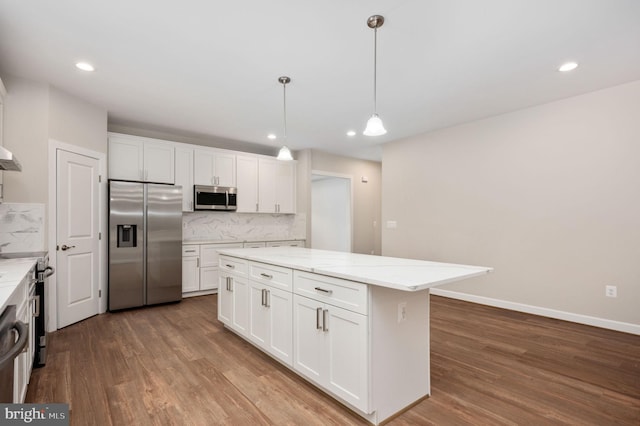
(271, 275)
(334, 291)
(285, 243)
(233, 264)
(190, 250)
(209, 253)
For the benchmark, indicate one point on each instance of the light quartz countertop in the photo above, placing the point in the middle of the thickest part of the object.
(12, 272)
(391, 272)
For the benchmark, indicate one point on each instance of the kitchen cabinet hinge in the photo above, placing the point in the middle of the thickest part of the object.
(99, 235)
(99, 178)
(99, 293)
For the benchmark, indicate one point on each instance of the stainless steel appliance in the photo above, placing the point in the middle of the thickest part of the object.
(10, 348)
(43, 272)
(145, 244)
(215, 198)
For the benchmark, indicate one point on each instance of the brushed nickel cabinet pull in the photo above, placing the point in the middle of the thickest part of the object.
(323, 290)
(267, 276)
(318, 313)
(325, 327)
(267, 297)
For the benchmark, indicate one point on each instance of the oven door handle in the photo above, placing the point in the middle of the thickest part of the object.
(23, 335)
(48, 271)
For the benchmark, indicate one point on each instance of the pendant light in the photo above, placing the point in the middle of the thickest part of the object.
(374, 125)
(285, 153)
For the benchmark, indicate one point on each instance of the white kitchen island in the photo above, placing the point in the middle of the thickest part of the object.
(357, 326)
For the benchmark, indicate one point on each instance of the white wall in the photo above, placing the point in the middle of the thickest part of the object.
(549, 196)
(76, 122)
(34, 113)
(331, 213)
(26, 132)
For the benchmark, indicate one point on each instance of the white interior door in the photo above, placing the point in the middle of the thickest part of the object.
(77, 232)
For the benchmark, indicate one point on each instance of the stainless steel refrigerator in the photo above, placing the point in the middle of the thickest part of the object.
(145, 244)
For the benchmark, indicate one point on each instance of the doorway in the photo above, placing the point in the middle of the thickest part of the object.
(76, 229)
(331, 211)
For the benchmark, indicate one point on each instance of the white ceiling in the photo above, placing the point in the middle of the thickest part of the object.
(210, 67)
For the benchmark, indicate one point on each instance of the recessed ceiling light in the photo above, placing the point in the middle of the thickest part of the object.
(351, 133)
(271, 136)
(84, 66)
(568, 66)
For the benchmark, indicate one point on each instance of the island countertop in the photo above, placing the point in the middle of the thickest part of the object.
(391, 272)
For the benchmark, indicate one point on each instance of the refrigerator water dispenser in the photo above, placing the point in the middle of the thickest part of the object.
(127, 235)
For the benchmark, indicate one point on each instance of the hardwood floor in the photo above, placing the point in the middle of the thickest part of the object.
(176, 365)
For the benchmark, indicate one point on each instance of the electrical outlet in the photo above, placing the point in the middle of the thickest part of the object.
(402, 312)
(611, 291)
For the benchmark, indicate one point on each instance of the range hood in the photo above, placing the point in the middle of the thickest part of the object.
(8, 161)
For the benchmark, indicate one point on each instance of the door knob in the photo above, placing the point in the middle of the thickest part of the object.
(66, 247)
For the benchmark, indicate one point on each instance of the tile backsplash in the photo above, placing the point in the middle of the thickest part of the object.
(226, 226)
(21, 227)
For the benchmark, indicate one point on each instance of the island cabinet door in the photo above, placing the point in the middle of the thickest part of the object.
(225, 299)
(280, 305)
(240, 301)
(347, 355)
(258, 315)
(309, 357)
(270, 320)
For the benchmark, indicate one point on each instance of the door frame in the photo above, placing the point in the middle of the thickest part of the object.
(334, 175)
(54, 146)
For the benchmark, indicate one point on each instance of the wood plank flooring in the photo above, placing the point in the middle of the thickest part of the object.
(176, 365)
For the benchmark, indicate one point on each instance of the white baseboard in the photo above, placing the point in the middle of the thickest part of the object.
(625, 327)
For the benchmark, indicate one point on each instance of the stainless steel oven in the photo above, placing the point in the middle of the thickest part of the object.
(43, 272)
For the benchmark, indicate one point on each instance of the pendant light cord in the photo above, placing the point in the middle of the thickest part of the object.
(375, 67)
(284, 91)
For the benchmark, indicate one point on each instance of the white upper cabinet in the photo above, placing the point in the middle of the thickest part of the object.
(276, 186)
(214, 168)
(125, 158)
(265, 184)
(140, 159)
(184, 175)
(247, 183)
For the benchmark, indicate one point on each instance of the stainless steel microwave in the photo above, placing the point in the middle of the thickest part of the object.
(214, 198)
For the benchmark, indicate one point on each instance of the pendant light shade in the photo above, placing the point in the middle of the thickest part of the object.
(374, 125)
(285, 153)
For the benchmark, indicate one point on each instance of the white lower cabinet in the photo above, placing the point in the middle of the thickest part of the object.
(200, 267)
(270, 320)
(331, 349)
(233, 295)
(294, 317)
(24, 300)
(190, 270)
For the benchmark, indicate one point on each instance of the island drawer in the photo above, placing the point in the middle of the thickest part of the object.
(345, 294)
(233, 264)
(271, 275)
